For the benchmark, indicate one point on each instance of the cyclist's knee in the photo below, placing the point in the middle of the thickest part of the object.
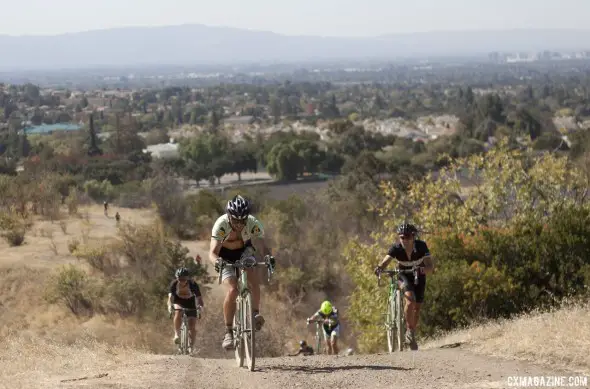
(231, 283)
(410, 297)
(252, 276)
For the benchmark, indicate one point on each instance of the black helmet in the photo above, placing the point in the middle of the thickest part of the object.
(302, 343)
(238, 208)
(182, 272)
(406, 229)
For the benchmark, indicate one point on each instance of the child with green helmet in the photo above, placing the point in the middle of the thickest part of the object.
(328, 314)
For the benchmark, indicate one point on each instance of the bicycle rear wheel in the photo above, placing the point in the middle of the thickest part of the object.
(238, 330)
(249, 332)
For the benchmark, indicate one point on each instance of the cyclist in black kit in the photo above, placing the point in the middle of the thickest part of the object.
(406, 252)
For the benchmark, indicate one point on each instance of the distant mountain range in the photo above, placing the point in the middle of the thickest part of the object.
(199, 44)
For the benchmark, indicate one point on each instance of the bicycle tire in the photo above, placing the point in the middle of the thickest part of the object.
(183, 337)
(249, 332)
(399, 321)
(390, 325)
(318, 337)
(237, 330)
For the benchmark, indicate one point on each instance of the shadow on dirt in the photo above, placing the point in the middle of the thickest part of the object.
(330, 369)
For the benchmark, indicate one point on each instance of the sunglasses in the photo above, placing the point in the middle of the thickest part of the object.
(238, 221)
(405, 237)
(182, 279)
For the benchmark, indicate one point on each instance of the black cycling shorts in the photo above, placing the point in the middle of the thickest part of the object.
(406, 283)
(186, 303)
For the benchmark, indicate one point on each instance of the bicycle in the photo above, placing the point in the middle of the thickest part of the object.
(183, 347)
(243, 331)
(319, 334)
(395, 320)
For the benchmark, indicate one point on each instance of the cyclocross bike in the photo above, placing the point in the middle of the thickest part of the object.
(395, 320)
(183, 347)
(319, 334)
(243, 328)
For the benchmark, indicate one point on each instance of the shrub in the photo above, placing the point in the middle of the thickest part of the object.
(518, 241)
(72, 287)
(99, 190)
(98, 258)
(133, 273)
(13, 229)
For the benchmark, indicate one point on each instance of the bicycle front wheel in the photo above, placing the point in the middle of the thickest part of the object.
(184, 337)
(390, 325)
(399, 321)
(318, 337)
(249, 331)
(238, 330)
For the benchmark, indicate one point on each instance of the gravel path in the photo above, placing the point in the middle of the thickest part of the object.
(440, 368)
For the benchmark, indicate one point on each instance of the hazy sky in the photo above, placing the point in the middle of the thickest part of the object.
(310, 17)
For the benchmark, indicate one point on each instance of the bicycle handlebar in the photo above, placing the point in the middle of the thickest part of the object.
(198, 310)
(393, 273)
(246, 263)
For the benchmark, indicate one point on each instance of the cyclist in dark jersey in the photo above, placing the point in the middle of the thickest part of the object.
(408, 252)
(184, 293)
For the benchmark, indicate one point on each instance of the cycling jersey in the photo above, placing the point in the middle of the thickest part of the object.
(333, 316)
(184, 292)
(398, 252)
(221, 228)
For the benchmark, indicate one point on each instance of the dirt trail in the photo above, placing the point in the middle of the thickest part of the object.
(440, 368)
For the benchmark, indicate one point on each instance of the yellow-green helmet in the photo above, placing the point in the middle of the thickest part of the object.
(326, 307)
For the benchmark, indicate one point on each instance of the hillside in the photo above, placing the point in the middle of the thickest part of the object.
(44, 346)
(200, 44)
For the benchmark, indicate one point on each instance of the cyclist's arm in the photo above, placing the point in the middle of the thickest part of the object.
(219, 233)
(261, 246)
(214, 249)
(198, 296)
(428, 264)
(390, 256)
(171, 292)
(314, 316)
(199, 301)
(427, 259)
(258, 239)
(385, 261)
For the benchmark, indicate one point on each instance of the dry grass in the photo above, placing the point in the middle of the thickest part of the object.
(46, 244)
(558, 338)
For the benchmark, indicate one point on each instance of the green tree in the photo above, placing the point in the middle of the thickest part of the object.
(284, 162)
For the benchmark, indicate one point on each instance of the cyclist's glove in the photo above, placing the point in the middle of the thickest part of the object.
(378, 270)
(271, 260)
(218, 265)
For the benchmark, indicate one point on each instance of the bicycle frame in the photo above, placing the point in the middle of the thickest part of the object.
(244, 333)
(319, 334)
(395, 318)
(184, 330)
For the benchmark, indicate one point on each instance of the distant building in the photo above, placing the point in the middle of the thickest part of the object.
(163, 150)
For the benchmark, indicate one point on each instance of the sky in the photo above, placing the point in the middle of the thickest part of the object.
(300, 17)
